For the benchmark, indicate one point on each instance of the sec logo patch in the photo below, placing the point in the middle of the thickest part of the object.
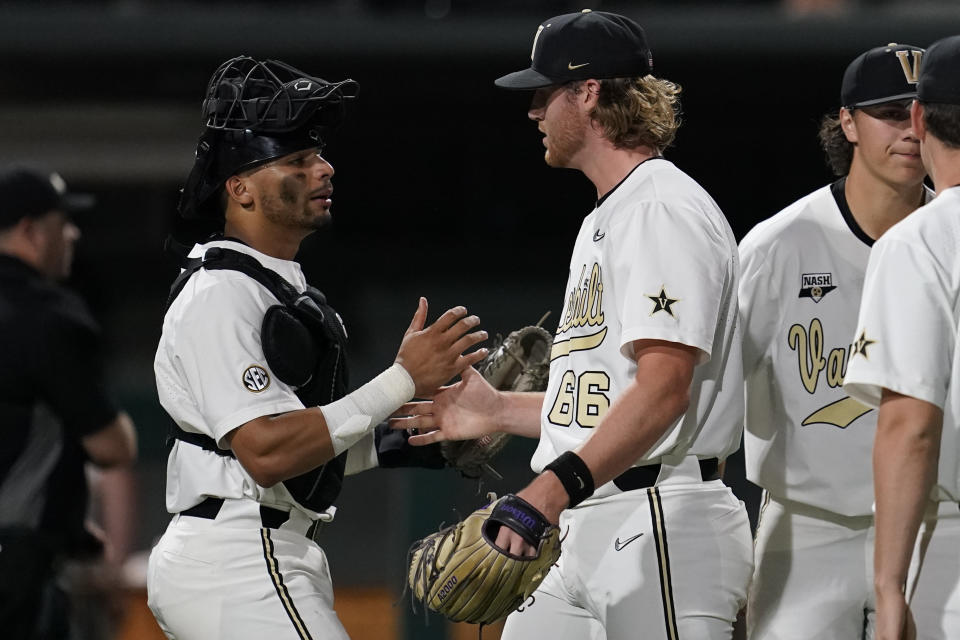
(256, 378)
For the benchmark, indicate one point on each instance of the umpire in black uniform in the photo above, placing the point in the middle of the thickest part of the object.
(55, 413)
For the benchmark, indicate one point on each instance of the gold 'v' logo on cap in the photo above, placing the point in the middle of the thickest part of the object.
(572, 66)
(533, 50)
(911, 67)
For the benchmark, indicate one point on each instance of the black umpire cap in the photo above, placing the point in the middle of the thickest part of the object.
(940, 72)
(882, 74)
(30, 193)
(578, 46)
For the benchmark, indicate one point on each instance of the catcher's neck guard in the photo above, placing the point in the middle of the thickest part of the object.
(255, 112)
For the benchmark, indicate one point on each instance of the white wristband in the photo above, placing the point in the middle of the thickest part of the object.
(358, 413)
(362, 455)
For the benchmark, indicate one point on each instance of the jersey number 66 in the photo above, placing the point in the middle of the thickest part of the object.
(585, 396)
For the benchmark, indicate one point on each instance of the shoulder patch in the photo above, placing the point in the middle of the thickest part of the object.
(860, 345)
(662, 302)
(256, 378)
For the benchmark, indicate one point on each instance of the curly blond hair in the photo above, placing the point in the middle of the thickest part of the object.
(642, 111)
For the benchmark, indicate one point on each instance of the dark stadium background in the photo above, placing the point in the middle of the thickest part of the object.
(440, 187)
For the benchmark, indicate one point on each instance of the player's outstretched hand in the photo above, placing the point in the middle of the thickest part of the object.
(435, 354)
(463, 411)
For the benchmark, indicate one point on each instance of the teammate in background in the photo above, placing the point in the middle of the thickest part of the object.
(807, 444)
(248, 352)
(56, 413)
(906, 361)
(644, 400)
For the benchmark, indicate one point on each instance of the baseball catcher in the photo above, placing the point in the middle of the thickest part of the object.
(520, 363)
(460, 573)
(251, 370)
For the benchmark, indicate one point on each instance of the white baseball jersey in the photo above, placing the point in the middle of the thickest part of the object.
(656, 260)
(231, 574)
(212, 377)
(806, 440)
(906, 335)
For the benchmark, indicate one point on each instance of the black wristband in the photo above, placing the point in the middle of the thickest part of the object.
(574, 475)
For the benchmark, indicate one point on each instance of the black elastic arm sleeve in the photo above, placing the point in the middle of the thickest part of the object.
(394, 451)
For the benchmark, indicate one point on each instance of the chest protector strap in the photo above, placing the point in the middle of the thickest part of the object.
(304, 342)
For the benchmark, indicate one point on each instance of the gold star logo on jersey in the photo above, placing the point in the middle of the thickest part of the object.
(861, 344)
(663, 302)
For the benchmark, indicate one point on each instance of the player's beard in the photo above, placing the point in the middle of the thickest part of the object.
(291, 206)
(565, 139)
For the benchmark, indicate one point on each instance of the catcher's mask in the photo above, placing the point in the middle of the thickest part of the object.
(255, 112)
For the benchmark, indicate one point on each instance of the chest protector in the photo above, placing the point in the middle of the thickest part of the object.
(304, 342)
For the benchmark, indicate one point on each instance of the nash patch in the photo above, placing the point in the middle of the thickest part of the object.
(816, 285)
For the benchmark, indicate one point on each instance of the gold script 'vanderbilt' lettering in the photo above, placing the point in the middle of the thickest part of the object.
(585, 302)
(809, 347)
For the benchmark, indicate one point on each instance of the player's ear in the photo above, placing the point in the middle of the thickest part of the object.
(25, 226)
(25, 230)
(238, 190)
(590, 93)
(916, 120)
(848, 125)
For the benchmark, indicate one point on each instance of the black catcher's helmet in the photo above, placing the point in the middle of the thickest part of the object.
(255, 112)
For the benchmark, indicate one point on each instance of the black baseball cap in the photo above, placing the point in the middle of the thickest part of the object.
(940, 72)
(882, 74)
(578, 46)
(30, 192)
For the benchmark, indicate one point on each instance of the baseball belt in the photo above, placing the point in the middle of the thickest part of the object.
(646, 476)
(270, 517)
